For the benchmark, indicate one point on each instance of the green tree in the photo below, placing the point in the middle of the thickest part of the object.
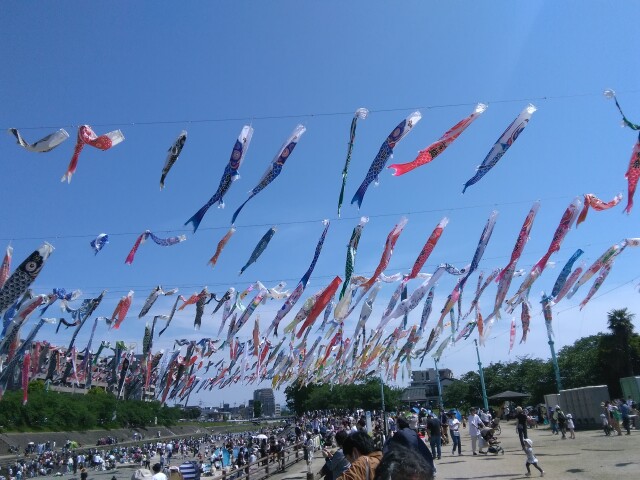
(464, 392)
(579, 364)
(619, 351)
(257, 409)
(620, 322)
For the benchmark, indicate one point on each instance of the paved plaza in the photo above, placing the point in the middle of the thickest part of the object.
(591, 455)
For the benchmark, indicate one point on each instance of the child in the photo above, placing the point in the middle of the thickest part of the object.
(531, 459)
(571, 426)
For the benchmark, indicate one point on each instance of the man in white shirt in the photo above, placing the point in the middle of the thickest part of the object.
(475, 425)
(157, 472)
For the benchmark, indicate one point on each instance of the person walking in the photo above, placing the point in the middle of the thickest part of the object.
(552, 421)
(434, 430)
(625, 409)
(571, 426)
(475, 425)
(531, 458)
(521, 425)
(454, 432)
(444, 426)
(562, 421)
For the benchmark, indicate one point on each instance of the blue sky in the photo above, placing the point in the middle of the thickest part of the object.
(153, 69)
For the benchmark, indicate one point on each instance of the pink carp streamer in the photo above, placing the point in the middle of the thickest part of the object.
(86, 136)
(432, 151)
(426, 250)
(5, 269)
(121, 310)
(590, 200)
(221, 244)
(164, 242)
(320, 304)
(521, 241)
(505, 277)
(512, 334)
(633, 172)
(597, 284)
(566, 222)
(525, 318)
(392, 238)
(632, 175)
(598, 265)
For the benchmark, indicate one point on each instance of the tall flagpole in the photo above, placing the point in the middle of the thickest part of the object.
(484, 390)
(384, 416)
(546, 312)
(439, 385)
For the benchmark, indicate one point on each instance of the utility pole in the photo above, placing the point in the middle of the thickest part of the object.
(484, 390)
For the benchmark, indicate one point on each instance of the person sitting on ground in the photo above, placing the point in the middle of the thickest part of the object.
(403, 464)
(359, 449)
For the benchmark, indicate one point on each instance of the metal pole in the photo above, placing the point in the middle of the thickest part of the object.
(546, 311)
(555, 363)
(439, 385)
(484, 390)
(384, 417)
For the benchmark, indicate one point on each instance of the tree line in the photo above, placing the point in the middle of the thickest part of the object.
(600, 359)
(55, 411)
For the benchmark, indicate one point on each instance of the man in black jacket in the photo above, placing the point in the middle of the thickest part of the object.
(406, 437)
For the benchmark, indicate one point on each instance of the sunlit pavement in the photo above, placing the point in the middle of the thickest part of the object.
(592, 455)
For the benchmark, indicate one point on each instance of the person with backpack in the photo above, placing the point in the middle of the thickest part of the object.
(562, 421)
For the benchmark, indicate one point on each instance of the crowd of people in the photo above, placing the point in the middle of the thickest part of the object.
(355, 444)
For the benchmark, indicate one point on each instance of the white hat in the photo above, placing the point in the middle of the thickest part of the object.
(569, 415)
(528, 441)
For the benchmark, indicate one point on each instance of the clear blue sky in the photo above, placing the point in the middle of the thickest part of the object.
(153, 69)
